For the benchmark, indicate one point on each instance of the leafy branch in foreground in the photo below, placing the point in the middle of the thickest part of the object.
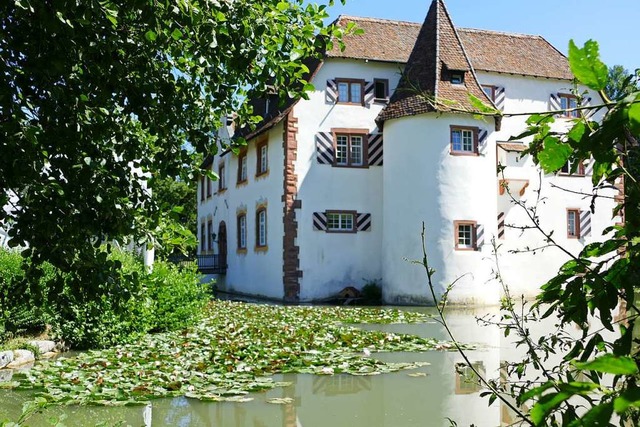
(441, 307)
(101, 100)
(595, 383)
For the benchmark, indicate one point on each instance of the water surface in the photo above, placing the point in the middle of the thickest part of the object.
(427, 396)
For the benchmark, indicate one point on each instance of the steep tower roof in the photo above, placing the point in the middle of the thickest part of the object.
(438, 75)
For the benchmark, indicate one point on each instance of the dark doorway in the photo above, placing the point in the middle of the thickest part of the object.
(222, 245)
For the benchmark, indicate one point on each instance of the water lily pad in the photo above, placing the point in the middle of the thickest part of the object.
(235, 350)
(280, 400)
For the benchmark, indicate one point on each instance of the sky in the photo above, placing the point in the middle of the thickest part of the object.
(614, 24)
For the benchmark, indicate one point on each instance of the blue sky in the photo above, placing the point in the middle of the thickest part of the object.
(614, 24)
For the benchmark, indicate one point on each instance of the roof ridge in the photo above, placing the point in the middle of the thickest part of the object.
(380, 20)
(418, 24)
(502, 33)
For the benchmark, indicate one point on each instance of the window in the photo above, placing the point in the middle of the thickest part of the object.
(242, 231)
(209, 189)
(222, 183)
(464, 140)
(568, 102)
(567, 169)
(456, 77)
(465, 235)
(210, 236)
(573, 223)
(203, 238)
(262, 166)
(202, 184)
(242, 167)
(341, 222)
(350, 91)
(490, 91)
(381, 88)
(350, 147)
(261, 228)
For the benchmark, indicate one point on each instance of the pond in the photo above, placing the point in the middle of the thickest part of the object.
(426, 396)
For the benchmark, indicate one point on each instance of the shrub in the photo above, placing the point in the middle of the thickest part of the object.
(177, 295)
(131, 302)
(21, 301)
(128, 302)
(372, 293)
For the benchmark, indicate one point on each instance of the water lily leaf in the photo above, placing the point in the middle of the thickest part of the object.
(280, 400)
(233, 351)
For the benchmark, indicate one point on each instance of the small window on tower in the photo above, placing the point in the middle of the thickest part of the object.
(457, 77)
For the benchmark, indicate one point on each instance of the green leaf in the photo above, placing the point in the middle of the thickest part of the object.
(545, 405)
(634, 116)
(577, 131)
(586, 65)
(599, 415)
(630, 397)
(549, 402)
(534, 392)
(150, 35)
(554, 154)
(176, 34)
(481, 106)
(610, 364)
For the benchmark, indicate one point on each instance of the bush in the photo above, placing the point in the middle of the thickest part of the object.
(372, 293)
(22, 309)
(177, 294)
(132, 302)
(128, 303)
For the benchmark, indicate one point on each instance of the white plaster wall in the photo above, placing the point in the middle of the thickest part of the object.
(332, 261)
(423, 182)
(523, 269)
(254, 272)
(9, 208)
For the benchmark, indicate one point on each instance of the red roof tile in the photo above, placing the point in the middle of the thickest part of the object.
(383, 40)
(498, 52)
(426, 84)
(493, 51)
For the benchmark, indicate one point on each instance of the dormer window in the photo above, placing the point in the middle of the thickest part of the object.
(456, 77)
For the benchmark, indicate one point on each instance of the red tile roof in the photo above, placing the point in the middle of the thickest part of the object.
(512, 146)
(493, 51)
(426, 85)
(383, 40)
(462, 49)
(498, 52)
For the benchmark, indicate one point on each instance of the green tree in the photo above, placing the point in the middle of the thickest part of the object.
(177, 201)
(621, 83)
(97, 96)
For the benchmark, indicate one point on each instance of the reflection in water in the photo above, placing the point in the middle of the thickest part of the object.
(334, 385)
(443, 389)
(467, 381)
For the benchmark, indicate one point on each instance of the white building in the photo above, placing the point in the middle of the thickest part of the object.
(332, 191)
